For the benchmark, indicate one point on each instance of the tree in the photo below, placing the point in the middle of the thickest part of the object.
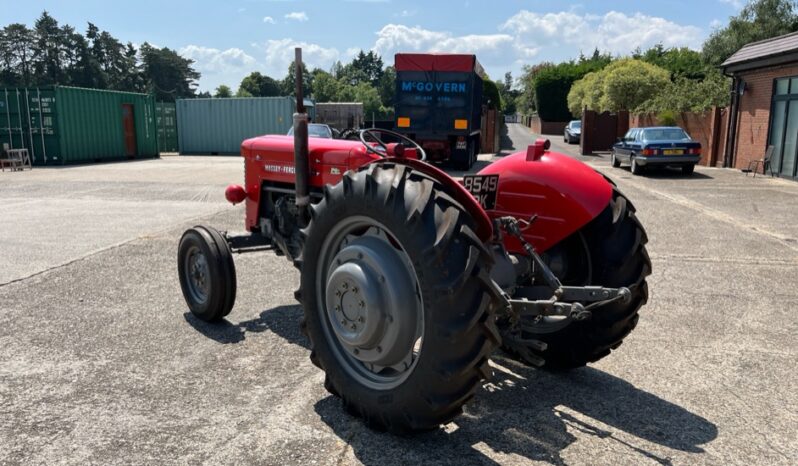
(48, 50)
(289, 83)
(16, 52)
(259, 85)
(526, 101)
(622, 85)
(369, 65)
(223, 91)
(168, 75)
(364, 93)
(680, 62)
(552, 85)
(325, 87)
(758, 20)
(243, 93)
(387, 87)
(490, 94)
(684, 95)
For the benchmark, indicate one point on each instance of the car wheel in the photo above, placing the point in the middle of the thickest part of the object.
(636, 168)
(614, 160)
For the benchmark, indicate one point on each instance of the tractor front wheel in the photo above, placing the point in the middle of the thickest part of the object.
(610, 251)
(398, 302)
(207, 273)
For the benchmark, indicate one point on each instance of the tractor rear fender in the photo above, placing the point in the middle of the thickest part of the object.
(484, 223)
(563, 192)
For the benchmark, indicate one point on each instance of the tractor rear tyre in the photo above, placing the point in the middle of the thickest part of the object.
(398, 302)
(614, 256)
(207, 273)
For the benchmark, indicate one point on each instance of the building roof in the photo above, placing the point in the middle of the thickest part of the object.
(768, 52)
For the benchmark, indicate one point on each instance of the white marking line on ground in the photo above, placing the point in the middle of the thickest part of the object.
(725, 260)
(710, 212)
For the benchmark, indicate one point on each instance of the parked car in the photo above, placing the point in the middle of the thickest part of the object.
(573, 132)
(317, 130)
(657, 146)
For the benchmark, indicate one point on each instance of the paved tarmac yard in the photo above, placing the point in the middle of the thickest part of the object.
(100, 363)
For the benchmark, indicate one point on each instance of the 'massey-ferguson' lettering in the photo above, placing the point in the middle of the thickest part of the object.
(426, 86)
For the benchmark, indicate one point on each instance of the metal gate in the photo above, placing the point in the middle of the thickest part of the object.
(601, 130)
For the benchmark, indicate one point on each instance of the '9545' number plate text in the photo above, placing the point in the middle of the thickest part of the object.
(483, 188)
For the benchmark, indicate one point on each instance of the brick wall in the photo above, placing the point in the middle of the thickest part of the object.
(539, 126)
(754, 116)
(700, 126)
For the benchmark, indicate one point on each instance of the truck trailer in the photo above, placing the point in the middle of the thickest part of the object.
(439, 104)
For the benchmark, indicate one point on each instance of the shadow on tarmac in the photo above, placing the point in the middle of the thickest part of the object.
(522, 411)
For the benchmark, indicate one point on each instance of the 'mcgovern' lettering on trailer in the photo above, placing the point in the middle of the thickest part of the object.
(426, 86)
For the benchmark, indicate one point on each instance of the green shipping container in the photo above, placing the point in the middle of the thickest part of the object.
(166, 122)
(64, 125)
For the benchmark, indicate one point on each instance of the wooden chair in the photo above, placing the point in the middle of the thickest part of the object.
(4, 159)
(764, 162)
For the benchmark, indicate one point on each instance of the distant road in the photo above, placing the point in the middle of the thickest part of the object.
(518, 138)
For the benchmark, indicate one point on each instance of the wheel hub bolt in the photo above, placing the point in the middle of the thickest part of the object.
(361, 319)
(379, 349)
(362, 304)
(345, 285)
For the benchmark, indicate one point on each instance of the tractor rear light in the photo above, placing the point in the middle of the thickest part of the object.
(235, 194)
(460, 124)
(403, 122)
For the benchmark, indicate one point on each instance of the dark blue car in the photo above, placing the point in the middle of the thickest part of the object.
(657, 146)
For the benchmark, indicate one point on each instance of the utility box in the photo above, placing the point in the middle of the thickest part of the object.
(217, 126)
(340, 115)
(439, 104)
(63, 125)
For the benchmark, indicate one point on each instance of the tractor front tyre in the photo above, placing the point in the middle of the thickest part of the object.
(207, 273)
(398, 302)
(615, 256)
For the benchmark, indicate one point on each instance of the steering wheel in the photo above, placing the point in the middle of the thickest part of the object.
(382, 147)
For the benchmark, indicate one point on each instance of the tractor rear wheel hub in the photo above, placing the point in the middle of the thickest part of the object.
(370, 301)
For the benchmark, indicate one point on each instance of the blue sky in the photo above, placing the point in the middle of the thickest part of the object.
(230, 39)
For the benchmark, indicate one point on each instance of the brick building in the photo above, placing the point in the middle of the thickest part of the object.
(764, 107)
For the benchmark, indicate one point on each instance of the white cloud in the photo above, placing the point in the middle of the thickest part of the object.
(297, 16)
(268, 20)
(210, 60)
(613, 32)
(278, 54)
(736, 4)
(394, 38)
(406, 13)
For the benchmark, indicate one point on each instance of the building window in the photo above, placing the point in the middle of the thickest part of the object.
(783, 134)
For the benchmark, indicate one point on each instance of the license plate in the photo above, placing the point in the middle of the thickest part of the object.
(461, 145)
(673, 151)
(483, 188)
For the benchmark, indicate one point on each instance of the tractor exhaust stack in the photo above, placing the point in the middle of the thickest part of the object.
(301, 159)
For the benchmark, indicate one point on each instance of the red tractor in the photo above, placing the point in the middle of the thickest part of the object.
(410, 279)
